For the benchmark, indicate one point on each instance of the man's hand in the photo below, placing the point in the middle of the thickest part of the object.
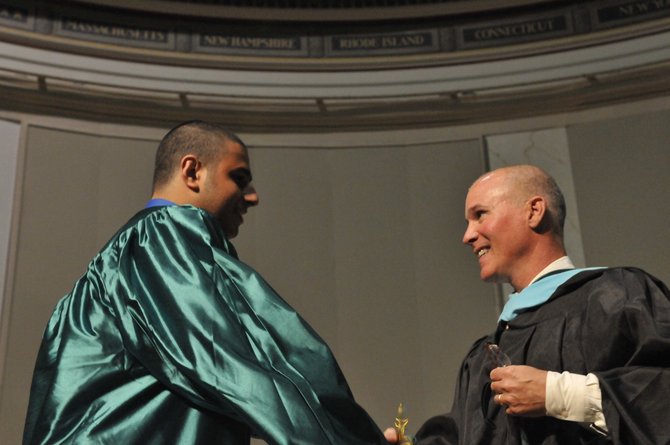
(391, 435)
(521, 388)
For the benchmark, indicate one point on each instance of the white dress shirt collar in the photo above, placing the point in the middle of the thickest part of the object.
(562, 263)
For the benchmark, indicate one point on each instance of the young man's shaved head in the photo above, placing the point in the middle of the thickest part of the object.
(202, 139)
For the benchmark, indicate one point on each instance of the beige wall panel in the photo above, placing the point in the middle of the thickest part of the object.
(9, 154)
(621, 172)
(365, 243)
(77, 191)
(454, 306)
(288, 238)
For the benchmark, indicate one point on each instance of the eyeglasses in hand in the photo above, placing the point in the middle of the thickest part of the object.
(497, 355)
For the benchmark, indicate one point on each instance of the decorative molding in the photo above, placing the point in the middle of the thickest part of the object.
(110, 32)
(17, 16)
(215, 43)
(311, 11)
(523, 29)
(627, 12)
(152, 72)
(124, 33)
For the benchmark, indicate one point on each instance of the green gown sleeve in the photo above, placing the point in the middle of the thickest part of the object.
(212, 330)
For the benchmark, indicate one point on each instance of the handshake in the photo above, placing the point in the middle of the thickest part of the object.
(396, 435)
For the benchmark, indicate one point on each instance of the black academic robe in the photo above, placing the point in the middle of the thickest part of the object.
(614, 323)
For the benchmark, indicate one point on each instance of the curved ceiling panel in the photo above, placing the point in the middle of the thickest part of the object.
(94, 28)
(481, 62)
(315, 10)
(113, 90)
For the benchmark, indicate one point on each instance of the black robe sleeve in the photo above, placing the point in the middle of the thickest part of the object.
(634, 309)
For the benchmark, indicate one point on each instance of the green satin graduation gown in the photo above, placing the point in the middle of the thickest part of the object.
(169, 339)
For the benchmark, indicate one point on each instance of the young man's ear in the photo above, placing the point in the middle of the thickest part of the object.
(537, 209)
(191, 172)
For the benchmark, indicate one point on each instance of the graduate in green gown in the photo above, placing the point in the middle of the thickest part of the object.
(169, 339)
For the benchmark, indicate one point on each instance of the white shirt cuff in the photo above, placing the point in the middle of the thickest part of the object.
(575, 397)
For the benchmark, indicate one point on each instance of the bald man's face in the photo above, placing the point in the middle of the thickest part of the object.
(227, 192)
(497, 228)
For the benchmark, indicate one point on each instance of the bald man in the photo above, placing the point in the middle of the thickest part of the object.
(579, 355)
(169, 339)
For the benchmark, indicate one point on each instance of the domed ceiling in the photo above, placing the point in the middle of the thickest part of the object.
(306, 65)
(320, 10)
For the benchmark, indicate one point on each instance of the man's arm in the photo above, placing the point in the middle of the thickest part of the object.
(531, 392)
(211, 329)
(575, 397)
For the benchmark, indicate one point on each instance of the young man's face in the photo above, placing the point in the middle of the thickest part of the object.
(227, 192)
(497, 229)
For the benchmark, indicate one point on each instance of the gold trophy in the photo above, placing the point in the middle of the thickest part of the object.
(400, 424)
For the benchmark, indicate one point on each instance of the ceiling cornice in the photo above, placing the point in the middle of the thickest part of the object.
(606, 53)
(310, 11)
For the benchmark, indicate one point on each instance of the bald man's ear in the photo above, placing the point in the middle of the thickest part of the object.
(537, 211)
(191, 172)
